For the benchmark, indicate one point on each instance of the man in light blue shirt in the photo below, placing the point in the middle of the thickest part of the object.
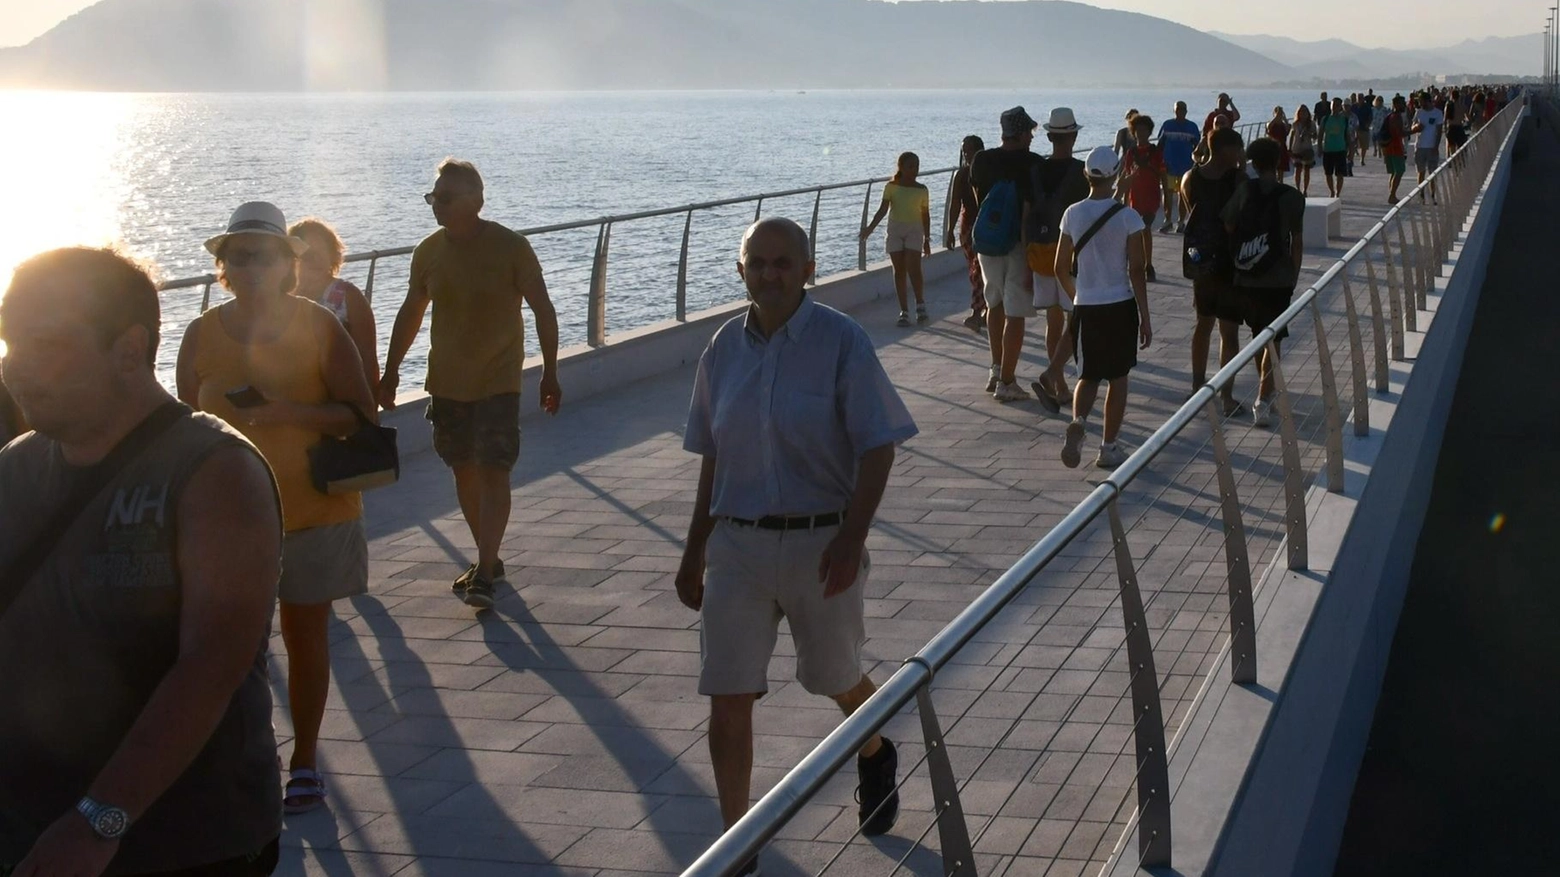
(1178, 138)
(797, 423)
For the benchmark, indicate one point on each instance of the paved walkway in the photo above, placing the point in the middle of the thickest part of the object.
(561, 733)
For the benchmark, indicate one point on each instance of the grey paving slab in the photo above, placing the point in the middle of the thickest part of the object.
(562, 733)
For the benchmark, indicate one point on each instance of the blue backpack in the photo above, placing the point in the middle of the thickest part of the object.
(999, 221)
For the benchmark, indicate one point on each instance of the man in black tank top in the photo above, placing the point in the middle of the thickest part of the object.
(136, 719)
(1206, 256)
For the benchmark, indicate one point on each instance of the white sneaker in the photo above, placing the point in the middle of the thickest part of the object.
(1011, 393)
(1111, 456)
(992, 378)
(1261, 414)
(1072, 448)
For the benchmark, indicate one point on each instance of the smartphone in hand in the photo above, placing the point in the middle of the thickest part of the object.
(245, 397)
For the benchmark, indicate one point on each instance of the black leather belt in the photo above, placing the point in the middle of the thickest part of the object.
(780, 522)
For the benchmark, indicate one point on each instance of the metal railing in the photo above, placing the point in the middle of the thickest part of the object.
(1401, 255)
(596, 322)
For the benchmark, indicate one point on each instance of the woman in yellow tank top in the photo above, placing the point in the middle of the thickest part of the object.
(907, 204)
(279, 368)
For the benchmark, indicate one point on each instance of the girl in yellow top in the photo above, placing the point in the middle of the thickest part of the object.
(908, 206)
(279, 368)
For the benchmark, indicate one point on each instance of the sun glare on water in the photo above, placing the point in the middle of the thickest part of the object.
(61, 154)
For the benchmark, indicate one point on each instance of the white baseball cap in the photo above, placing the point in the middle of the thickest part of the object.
(1102, 163)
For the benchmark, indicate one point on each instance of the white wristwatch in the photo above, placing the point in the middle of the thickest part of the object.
(109, 823)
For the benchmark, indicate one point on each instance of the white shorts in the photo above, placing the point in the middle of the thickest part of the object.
(755, 577)
(1049, 294)
(905, 236)
(1007, 283)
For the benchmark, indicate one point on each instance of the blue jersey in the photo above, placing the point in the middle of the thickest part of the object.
(1178, 137)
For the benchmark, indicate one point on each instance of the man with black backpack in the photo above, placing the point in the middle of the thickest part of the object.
(1058, 184)
(1001, 179)
(1206, 258)
(1265, 219)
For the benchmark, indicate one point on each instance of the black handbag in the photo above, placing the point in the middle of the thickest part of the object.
(362, 461)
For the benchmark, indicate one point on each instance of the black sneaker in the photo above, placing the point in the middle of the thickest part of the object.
(479, 593)
(877, 795)
(459, 587)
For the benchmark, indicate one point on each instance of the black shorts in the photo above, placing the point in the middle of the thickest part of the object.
(1260, 306)
(1335, 164)
(485, 432)
(1215, 297)
(1105, 339)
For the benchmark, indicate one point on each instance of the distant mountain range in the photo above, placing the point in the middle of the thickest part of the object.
(1342, 60)
(293, 45)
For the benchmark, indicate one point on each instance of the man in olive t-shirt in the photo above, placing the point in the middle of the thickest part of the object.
(475, 273)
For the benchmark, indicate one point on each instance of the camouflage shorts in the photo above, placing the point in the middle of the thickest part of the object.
(485, 432)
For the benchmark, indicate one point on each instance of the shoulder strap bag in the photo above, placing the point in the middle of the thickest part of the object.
(16, 573)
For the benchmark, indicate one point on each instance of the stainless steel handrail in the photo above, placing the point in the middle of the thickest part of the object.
(764, 820)
(597, 290)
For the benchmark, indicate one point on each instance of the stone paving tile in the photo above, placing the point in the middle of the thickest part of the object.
(563, 733)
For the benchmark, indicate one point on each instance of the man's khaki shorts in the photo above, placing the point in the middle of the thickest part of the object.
(752, 579)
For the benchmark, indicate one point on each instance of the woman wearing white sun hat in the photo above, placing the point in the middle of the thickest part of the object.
(283, 371)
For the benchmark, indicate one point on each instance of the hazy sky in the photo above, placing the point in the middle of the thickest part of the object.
(1400, 24)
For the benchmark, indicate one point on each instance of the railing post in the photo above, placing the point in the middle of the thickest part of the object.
(205, 297)
(958, 855)
(1330, 402)
(861, 243)
(1378, 328)
(812, 238)
(1237, 560)
(1394, 302)
(1410, 312)
(682, 270)
(1153, 778)
(1357, 357)
(758, 210)
(1294, 478)
(368, 285)
(1421, 260)
(596, 315)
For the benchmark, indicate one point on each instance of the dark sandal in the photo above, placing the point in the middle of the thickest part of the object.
(305, 791)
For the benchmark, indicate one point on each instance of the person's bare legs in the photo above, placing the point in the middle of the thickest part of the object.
(996, 325)
(1229, 345)
(900, 278)
(917, 281)
(1012, 346)
(1115, 408)
(1265, 387)
(1339, 193)
(305, 633)
(484, 502)
(851, 701)
(1084, 394)
(1058, 349)
(1202, 337)
(731, 752)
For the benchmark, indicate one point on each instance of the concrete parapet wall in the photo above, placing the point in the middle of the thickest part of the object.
(1262, 775)
(658, 348)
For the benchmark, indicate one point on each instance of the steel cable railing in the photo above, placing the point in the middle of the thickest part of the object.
(1409, 244)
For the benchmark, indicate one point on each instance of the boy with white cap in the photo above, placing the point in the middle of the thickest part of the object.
(1101, 263)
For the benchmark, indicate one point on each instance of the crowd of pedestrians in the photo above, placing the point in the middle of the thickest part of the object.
(146, 538)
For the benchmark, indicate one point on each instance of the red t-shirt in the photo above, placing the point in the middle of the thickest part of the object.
(1145, 170)
(1208, 122)
(1394, 128)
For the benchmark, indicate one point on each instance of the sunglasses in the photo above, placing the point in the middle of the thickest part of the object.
(441, 197)
(261, 258)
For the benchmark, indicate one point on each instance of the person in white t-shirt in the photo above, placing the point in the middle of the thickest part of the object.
(1429, 123)
(1101, 263)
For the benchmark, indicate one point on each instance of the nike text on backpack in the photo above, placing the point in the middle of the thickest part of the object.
(999, 220)
(1089, 234)
(1259, 238)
